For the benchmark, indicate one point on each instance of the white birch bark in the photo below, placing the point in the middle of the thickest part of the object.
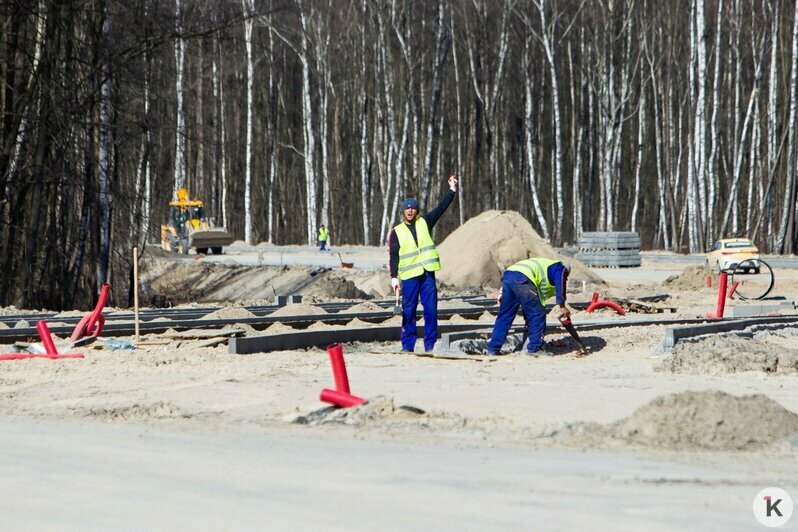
(180, 180)
(547, 38)
(458, 114)
(365, 161)
(529, 128)
(712, 165)
(249, 11)
(308, 133)
(772, 130)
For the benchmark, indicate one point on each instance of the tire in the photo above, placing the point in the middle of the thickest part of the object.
(217, 250)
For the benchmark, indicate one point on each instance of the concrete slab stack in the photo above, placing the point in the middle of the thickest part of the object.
(610, 249)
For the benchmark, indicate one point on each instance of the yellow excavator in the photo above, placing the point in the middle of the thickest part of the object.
(188, 228)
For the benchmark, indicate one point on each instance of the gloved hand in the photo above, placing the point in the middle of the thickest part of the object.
(395, 284)
(565, 312)
(454, 183)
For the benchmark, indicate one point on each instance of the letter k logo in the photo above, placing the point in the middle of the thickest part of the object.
(772, 506)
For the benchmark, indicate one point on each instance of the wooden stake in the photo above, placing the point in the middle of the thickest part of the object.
(136, 290)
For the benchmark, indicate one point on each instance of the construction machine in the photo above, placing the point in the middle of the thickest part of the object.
(188, 228)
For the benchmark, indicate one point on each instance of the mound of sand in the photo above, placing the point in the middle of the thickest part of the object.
(709, 420)
(366, 306)
(381, 412)
(692, 278)
(298, 309)
(228, 312)
(478, 252)
(329, 286)
(728, 354)
(137, 412)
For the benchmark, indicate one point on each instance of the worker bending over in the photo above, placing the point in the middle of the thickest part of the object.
(414, 261)
(528, 284)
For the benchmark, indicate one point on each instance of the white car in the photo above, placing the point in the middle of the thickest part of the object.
(727, 254)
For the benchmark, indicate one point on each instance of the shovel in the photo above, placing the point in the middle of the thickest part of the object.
(566, 322)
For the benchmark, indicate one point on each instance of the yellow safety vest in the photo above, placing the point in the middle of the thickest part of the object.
(536, 270)
(323, 233)
(415, 258)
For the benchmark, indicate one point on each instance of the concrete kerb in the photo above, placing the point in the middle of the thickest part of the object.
(674, 335)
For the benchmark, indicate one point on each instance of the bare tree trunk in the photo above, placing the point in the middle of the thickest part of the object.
(180, 128)
(249, 11)
(772, 129)
(784, 240)
(104, 158)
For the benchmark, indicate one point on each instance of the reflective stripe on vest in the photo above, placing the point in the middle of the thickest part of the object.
(535, 270)
(415, 258)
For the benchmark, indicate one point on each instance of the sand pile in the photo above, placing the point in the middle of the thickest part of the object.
(478, 252)
(692, 278)
(329, 286)
(729, 354)
(228, 312)
(382, 412)
(137, 412)
(299, 309)
(366, 306)
(709, 420)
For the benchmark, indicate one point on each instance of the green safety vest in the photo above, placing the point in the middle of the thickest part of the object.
(415, 258)
(536, 269)
(323, 233)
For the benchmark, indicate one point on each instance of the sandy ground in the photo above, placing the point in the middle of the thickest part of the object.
(172, 436)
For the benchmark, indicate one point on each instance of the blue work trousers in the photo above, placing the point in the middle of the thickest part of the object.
(421, 286)
(518, 291)
(322, 245)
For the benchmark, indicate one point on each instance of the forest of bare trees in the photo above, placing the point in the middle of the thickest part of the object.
(675, 119)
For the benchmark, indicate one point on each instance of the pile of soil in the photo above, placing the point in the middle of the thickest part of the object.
(478, 252)
(709, 420)
(729, 354)
(298, 309)
(137, 412)
(692, 278)
(366, 306)
(333, 286)
(228, 312)
(380, 412)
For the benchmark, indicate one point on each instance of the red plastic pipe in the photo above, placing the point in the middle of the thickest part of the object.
(709, 281)
(724, 280)
(338, 367)
(47, 339)
(605, 304)
(25, 356)
(594, 298)
(92, 323)
(733, 289)
(341, 399)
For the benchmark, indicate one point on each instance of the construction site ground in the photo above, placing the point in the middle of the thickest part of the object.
(173, 435)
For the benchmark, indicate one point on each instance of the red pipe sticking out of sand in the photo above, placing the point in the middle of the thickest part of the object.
(336, 353)
(340, 399)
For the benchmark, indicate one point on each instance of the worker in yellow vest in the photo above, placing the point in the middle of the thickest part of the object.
(528, 284)
(324, 235)
(413, 263)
